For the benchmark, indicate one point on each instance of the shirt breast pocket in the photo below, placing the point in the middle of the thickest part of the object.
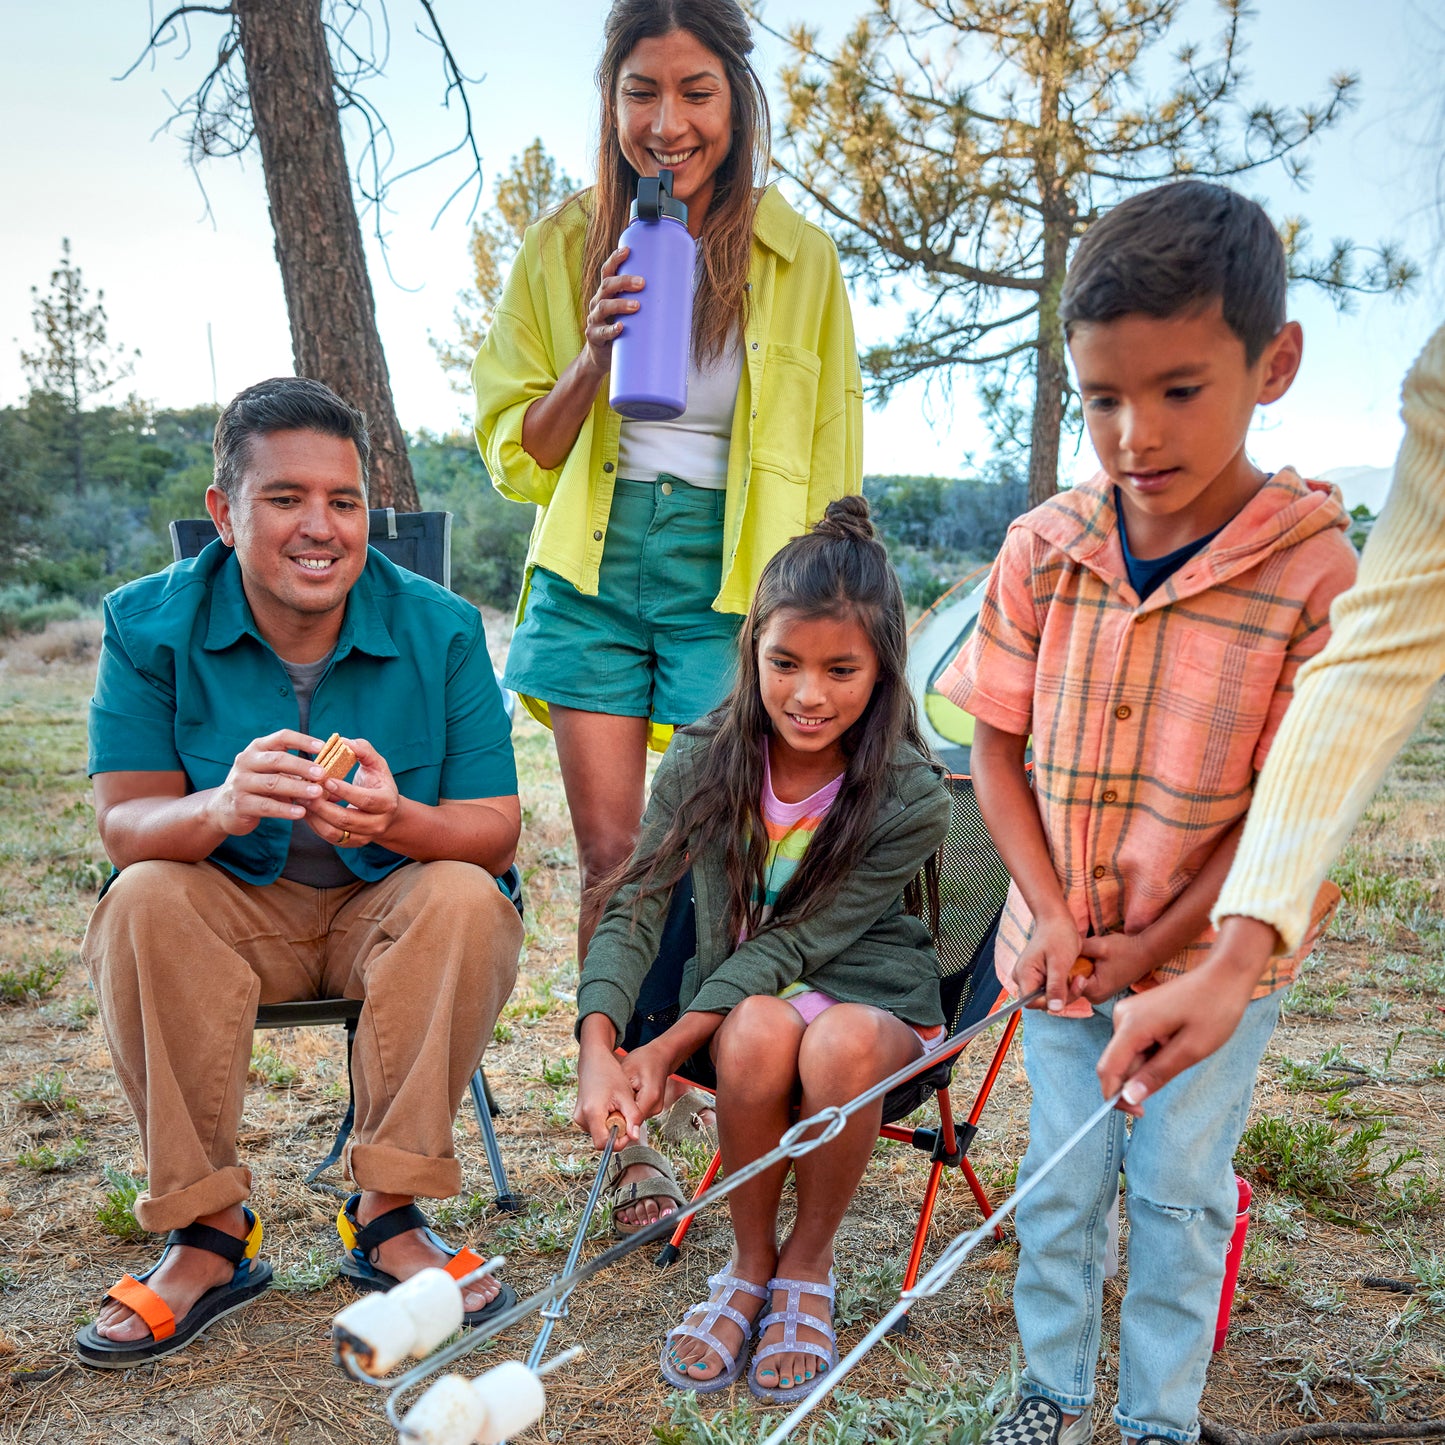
(787, 411)
(416, 767)
(1214, 701)
(208, 752)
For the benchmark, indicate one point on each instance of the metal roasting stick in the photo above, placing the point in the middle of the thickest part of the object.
(557, 1310)
(944, 1268)
(831, 1122)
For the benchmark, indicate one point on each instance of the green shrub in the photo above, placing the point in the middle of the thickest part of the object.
(117, 1215)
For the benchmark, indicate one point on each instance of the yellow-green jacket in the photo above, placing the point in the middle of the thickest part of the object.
(797, 427)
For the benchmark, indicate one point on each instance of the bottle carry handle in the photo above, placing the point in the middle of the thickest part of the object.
(650, 191)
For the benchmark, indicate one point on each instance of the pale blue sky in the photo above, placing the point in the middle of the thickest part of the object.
(81, 160)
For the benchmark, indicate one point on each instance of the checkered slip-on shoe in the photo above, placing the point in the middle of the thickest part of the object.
(1037, 1421)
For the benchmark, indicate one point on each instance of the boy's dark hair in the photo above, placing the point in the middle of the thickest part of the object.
(283, 403)
(838, 569)
(1174, 247)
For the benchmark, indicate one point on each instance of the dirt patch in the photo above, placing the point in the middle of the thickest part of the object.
(1361, 1046)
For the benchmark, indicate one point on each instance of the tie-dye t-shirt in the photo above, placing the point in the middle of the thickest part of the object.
(790, 829)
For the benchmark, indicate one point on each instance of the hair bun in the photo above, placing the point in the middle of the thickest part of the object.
(847, 519)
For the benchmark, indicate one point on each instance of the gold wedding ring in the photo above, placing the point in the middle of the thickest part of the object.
(342, 840)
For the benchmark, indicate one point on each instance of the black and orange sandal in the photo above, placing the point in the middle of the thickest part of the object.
(362, 1241)
(251, 1277)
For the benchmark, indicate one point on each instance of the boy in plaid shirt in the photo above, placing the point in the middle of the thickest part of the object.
(1145, 629)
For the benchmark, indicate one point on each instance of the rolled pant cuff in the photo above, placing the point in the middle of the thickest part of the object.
(218, 1191)
(1134, 1429)
(1070, 1404)
(393, 1171)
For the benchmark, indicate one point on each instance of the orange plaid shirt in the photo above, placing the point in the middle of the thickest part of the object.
(1149, 720)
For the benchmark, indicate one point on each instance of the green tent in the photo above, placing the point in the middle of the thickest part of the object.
(933, 642)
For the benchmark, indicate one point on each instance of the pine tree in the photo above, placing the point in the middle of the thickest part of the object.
(958, 148)
(73, 360)
(533, 186)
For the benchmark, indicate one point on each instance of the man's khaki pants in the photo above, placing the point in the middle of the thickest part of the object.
(181, 954)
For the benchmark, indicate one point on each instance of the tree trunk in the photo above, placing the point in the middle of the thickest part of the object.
(318, 240)
(1051, 375)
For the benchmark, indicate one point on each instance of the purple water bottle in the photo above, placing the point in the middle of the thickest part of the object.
(649, 358)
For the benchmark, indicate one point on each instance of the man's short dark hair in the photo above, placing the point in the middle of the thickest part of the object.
(283, 403)
(1179, 246)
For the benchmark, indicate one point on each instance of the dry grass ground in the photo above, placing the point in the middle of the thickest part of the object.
(1362, 1048)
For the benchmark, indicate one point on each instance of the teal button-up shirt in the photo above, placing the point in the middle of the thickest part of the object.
(186, 682)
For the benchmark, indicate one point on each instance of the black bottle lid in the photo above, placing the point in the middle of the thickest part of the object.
(654, 199)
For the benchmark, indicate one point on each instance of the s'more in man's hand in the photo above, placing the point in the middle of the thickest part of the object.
(336, 757)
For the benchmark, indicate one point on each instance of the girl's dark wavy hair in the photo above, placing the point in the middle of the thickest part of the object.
(839, 569)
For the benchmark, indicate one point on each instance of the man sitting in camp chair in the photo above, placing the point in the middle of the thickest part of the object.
(250, 873)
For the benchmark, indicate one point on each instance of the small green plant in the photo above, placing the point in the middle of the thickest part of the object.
(117, 1215)
(268, 1067)
(1430, 1275)
(46, 1094)
(952, 1410)
(1267, 1262)
(1316, 1001)
(867, 1291)
(314, 1270)
(1282, 1217)
(1368, 1373)
(1322, 1165)
(74, 1014)
(9, 1279)
(1322, 1074)
(45, 1160)
(544, 1229)
(1322, 1301)
(501, 1033)
(461, 1212)
(559, 1071)
(34, 976)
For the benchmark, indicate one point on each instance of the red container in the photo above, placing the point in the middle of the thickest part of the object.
(1231, 1262)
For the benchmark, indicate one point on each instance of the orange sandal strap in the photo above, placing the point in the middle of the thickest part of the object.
(463, 1262)
(141, 1298)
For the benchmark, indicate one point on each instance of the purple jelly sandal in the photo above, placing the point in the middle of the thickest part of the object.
(711, 1311)
(790, 1318)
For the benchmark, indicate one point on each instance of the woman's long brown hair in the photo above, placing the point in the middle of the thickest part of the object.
(726, 241)
(838, 569)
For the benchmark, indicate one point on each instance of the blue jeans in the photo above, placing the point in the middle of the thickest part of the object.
(1181, 1199)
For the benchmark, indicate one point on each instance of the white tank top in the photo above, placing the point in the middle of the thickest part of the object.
(693, 446)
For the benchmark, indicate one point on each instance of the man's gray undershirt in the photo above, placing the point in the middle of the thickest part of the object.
(311, 859)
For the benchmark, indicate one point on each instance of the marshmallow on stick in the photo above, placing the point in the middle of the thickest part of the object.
(412, 1318)
(336, 757)
(485, 1411)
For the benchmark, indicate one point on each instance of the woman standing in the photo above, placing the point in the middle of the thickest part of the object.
(651, 535)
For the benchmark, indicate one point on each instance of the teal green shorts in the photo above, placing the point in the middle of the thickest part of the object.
(649, 644)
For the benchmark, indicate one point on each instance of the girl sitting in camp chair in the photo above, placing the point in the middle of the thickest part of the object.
(799, 814)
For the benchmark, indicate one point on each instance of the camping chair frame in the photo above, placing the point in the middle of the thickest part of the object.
(422, 543)
(973, 883)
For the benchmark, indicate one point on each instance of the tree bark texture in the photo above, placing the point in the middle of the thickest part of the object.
(1050, 376)
(318, 238)
(1051, 373)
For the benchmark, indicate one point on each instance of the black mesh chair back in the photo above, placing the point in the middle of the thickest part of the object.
(972, 886)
